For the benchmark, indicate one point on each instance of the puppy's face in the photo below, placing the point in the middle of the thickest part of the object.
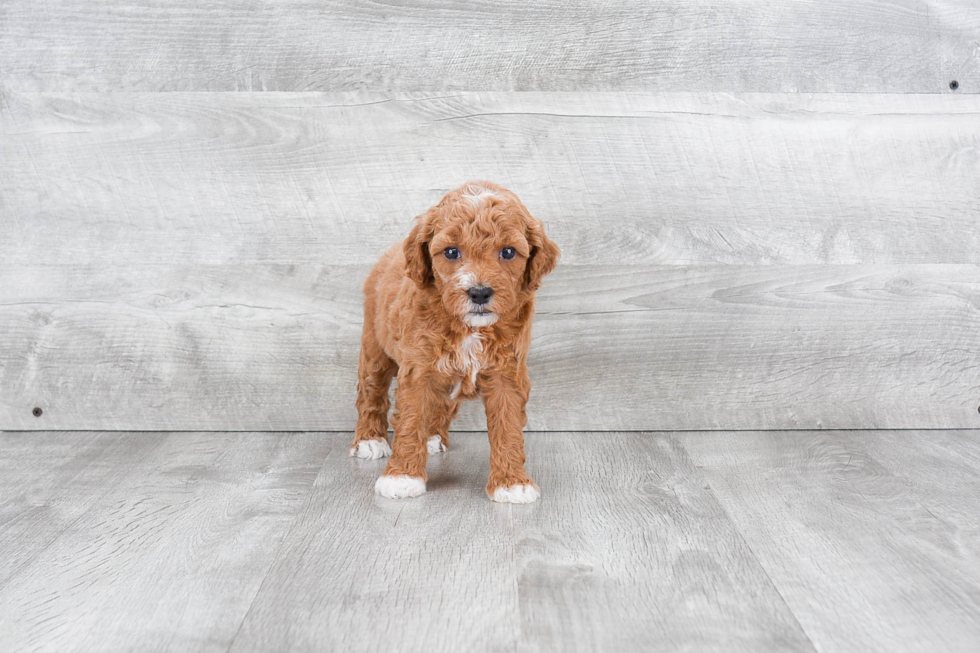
(482, 251)
(478, 266)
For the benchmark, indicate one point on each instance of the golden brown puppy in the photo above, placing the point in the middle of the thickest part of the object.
(449, 312)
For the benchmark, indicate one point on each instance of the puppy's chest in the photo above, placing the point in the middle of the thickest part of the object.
(463, 363)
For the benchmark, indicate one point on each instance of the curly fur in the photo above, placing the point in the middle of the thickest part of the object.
(421, 325)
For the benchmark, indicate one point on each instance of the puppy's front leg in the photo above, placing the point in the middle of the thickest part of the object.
(417, 406)
(505, 393)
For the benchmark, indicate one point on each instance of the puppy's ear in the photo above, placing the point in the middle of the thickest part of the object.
(543, 258)
(418, 263)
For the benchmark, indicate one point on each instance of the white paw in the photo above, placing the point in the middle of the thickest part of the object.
(516, 494)
(435, 444)
(371, 449)
(399, 487)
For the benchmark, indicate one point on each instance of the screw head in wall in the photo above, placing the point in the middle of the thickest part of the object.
(954, 85)
(37, 412)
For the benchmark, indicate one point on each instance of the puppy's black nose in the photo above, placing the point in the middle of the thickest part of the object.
(480, 295)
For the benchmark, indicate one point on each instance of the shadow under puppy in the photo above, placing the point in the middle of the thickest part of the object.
(449, 312)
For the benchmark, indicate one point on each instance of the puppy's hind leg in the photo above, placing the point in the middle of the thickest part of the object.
(439, 440)
(374, 373)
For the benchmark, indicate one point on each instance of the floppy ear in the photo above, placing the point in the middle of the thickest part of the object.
(543, 258)
(418, 263)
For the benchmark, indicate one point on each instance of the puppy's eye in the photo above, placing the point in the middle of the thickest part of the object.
(507, 253)
(451, 253)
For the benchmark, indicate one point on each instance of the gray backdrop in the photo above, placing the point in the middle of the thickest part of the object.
(768, 211)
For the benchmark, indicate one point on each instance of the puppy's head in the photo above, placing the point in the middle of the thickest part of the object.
(481, 250)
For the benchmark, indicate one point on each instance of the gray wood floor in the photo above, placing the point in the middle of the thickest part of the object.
(754, 541)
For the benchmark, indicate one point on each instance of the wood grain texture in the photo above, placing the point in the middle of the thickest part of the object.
(942, 470)
(192, 261)
(913, 46)
(171, 556)
(638, 178)
(269, 346)
(628, 536)
(50, 480)
(638, 557)
(853, 545)
(794, 541)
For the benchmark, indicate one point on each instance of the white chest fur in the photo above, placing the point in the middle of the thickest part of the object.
(465, 360)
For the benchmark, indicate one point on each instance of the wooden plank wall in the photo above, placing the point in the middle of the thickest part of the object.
(768, 212)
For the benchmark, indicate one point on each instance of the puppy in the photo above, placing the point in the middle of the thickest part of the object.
(448, 312)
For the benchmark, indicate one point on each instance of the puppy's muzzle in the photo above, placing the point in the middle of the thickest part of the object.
(480, 295)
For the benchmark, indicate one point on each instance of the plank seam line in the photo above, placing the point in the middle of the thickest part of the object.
(282, 543)
(741, 536)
